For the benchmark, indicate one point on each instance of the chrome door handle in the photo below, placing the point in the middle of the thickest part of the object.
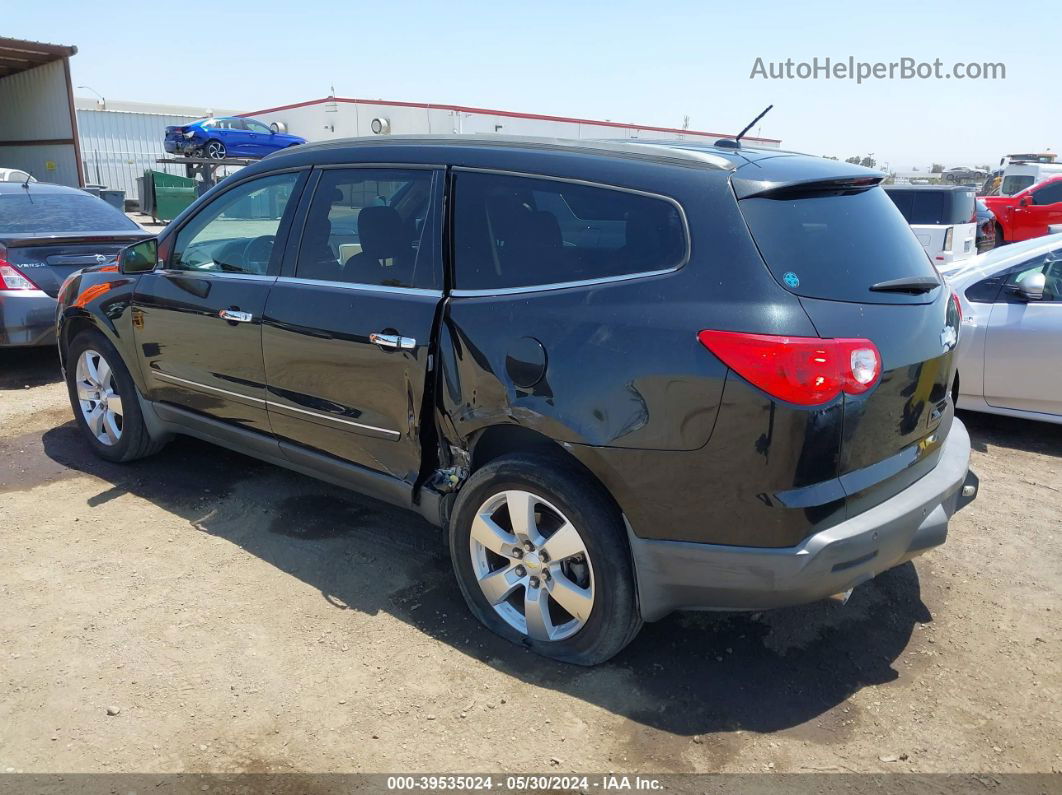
(393, 341)
(236, 316)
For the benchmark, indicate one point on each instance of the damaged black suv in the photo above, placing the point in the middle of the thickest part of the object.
(624, 378)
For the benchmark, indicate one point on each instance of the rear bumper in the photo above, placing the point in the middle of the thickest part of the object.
(26, 318)
(676, 575)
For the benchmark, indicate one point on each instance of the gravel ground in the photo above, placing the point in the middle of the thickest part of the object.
(201, 611)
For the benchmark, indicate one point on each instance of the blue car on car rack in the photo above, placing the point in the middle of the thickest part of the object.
(230, 136)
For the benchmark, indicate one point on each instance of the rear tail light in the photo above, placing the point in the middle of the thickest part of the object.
(958, 307)
(807, 371)
(11, 279)
(947, 238)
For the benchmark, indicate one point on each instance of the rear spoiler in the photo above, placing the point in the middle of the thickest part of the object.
(779, 177)
(84, 237)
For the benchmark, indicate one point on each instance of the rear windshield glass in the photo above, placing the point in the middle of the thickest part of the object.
(934, 207)
(58, 213)
(836, 246)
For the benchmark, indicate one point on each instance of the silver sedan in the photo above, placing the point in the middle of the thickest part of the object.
(1011, 337)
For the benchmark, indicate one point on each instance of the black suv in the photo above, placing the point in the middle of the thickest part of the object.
(625, 378)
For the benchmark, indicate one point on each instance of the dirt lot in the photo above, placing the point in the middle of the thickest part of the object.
(243, 618)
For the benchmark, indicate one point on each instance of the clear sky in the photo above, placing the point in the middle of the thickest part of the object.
(645, 62)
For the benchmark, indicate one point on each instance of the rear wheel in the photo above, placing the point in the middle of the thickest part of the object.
(104, 399)
(541, 557)
(999, 236)
(215, 150)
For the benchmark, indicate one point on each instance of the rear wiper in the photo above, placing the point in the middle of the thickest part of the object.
(907, 284)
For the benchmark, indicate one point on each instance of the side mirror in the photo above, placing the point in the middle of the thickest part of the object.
(140, 257)
(1031, 288)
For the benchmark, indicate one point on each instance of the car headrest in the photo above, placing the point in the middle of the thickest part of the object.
(381, 232)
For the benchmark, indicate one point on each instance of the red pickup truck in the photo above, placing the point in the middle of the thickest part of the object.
(1028, 213)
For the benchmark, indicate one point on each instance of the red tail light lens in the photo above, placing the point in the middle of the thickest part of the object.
(11, 279)
(958, 306)
(807, 371)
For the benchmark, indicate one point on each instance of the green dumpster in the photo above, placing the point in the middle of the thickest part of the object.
(172, 194)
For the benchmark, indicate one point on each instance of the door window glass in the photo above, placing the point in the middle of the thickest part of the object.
(370, 226)
(235, 233)
(257, 126)
(524, 232)
(1051, 267)
(1048, 194)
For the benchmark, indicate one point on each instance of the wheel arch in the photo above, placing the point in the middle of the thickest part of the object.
(494, 441)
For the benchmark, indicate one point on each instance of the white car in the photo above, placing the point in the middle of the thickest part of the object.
(943, 218)
(15, 175)
(1011, 332)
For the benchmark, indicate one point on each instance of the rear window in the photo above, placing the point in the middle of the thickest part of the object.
(525, 232)
(934, 207)
(58, 213)
(836, 246)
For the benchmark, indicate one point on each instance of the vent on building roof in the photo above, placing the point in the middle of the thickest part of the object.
(380, 126)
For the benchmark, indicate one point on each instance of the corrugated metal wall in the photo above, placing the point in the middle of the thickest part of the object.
(117, 146)
(43, 114)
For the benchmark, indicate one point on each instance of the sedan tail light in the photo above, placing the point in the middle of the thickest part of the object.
(11, 279)
(808, 371)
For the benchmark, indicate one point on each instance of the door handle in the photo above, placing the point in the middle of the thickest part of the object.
(393, 341)
(235, 316)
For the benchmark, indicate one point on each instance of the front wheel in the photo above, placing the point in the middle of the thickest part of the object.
(215, 150)
(542, 559)
(104, 399)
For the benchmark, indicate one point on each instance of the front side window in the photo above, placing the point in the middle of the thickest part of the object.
(1050, 266)
(371, 226)
(235, 233)
(257, 126)
(512, 231)
(1048, 194)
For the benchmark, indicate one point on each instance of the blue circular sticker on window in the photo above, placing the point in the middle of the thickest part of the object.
(791, 279)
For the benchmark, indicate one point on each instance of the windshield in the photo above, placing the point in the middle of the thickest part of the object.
(836, 246)
(58, 213)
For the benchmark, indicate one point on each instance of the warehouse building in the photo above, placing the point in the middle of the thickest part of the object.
(38, 128)
(120, 139)
(340, 117)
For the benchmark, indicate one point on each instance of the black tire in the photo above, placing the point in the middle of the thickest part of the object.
(134, 440)
(614, 619)
(999, 237)
(215, 150)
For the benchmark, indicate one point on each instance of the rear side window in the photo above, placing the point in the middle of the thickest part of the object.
(512, 231)
(837, 245)
(934, 207)
(27, 212)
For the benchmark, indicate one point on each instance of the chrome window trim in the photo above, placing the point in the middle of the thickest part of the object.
(195, 384)
(626, 277)
(423, 166)
(623, 277)
(373, 288)
(198, 274)
(282, 407)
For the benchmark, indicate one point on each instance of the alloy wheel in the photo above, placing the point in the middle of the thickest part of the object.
(97, 395)
(532, 565)
(215, 150)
